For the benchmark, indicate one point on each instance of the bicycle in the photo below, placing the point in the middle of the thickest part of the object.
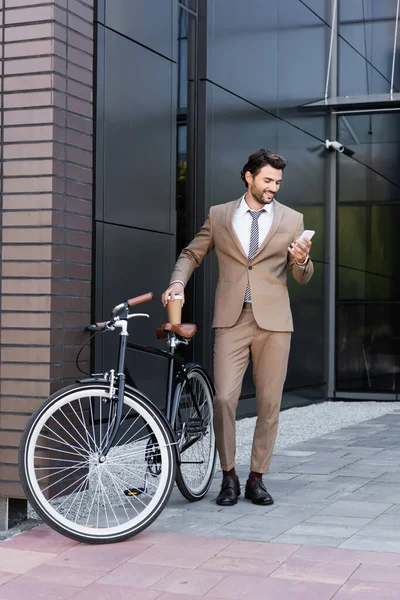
(98, 459)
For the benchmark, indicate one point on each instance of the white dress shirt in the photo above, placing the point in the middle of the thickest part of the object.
(242, 221)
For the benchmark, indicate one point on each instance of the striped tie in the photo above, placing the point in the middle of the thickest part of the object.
(254, 243)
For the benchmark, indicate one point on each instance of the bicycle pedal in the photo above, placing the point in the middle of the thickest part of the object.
(134, 491)
(195, 425)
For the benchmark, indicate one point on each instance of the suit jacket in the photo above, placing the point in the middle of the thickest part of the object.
(267, 271)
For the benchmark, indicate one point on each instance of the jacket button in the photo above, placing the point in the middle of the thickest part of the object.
(250, 268)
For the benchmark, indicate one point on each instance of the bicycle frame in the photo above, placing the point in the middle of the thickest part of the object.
(125, 379)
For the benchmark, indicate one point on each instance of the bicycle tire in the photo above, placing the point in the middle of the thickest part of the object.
(195, 472)
(68, 425)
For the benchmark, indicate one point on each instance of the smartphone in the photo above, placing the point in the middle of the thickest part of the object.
(307, 233)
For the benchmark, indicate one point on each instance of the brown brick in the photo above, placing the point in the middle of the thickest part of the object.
(80, 58)
(80, 25)
(78, 156)
(35, 150)
(75, 337)
(78, 255)
(18, 168)
(28, 116)
(37, 235)
(30, 269)
(21, 3)
(9, 455)
(35, 218)
(31, 48)
(28, 65)
(74, 271)
(21, 405)
(80, 190)
(79, 41)
(27, 202)
(25, 355)
(81, 124)
(78, 139)
(28, 32)
(59, 82)
(79, 173)
(60, 32)
(10, 472)
(26, 286)
(60, 15)
(9, 438)
(26, 303)
(28, 99)
(82, 10)
(73, 288)
(25, 338)
(11, 490)
(29, 15)
(28, 134)
(22, 388)
(80, 107)
(79, 90)
(77, 305)
(78, 238)
(80, 74)
(28, 184)
(29, 371)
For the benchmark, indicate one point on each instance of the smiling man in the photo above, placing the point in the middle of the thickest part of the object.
(256, 241)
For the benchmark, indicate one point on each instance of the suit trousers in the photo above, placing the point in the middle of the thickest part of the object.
(269, 352)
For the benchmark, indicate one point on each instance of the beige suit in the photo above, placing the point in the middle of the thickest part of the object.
(261, 331)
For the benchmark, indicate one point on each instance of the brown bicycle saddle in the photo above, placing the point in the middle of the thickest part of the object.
(185, 330)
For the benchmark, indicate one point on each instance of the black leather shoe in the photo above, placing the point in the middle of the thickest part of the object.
(257, 492)
(230, 491)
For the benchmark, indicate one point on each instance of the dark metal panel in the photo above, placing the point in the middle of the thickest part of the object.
(149, 23)
(136, 262)
(243, 49)
(302, 57)
(139, 136)
(99, 125)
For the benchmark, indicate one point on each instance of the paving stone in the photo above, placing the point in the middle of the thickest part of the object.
(379, 573)
(349, 508)
(25, 587)
(309, 570)
(360, 590)
(236, 587)
(344, 555)
(310, 540)
(111, 592)
(135, 575)
(187, 581)
(21, 561)
(275, 552)
(375, 544)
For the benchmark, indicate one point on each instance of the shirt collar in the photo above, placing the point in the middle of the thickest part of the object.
(244, 207)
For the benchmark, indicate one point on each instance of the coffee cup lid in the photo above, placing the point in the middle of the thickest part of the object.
(177, 297)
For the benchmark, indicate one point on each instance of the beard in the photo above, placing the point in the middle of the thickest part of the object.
(259, 196)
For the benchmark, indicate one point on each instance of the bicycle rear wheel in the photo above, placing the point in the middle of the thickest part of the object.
(69, 484)
(193, 426)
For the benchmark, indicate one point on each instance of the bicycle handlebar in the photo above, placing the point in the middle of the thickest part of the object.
(140, 299)
(131, 302)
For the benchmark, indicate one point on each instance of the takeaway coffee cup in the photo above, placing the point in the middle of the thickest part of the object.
(174, 309)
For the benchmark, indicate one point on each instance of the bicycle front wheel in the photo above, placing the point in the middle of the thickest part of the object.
(193, 425)
(80, 492)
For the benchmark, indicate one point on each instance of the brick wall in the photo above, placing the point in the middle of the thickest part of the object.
(45, 270)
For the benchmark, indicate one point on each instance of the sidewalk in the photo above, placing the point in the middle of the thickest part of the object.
(333, 532)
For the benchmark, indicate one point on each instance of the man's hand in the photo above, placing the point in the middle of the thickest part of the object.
(174, 289)
(300, 250)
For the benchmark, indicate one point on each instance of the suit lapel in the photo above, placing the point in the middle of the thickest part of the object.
(278, 212)
(232, 207)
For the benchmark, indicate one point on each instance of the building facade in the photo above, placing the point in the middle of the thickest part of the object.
(123, 121)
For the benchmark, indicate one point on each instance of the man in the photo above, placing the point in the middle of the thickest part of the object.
(256, 240)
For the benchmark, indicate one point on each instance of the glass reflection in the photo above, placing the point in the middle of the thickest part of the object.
(368, 274)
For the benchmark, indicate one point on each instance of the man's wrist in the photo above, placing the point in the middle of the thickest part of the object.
(177, 281)
(304, 263)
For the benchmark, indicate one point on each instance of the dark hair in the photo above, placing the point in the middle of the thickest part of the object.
(259, 159)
